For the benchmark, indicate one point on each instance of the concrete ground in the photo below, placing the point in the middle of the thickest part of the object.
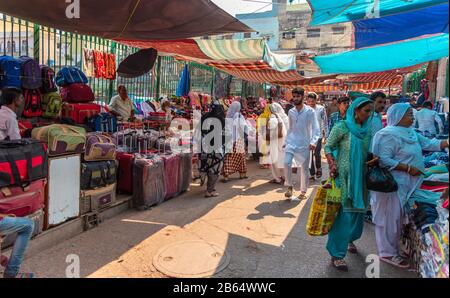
(263, 234)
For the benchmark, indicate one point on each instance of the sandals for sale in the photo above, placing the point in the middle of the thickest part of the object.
(352, 248)
(339, 264)
(396, 261)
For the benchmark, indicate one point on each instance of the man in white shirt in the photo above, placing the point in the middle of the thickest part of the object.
(426, 119)
(302, 137)
(121, 105)
(321, 115)
(11, 100)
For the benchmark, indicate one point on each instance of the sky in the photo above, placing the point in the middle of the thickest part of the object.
(234, 7)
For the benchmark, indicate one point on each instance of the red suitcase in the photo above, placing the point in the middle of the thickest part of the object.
(22, 202)
(77, 93)
(172, 165)
(80, 112)
(125, 172)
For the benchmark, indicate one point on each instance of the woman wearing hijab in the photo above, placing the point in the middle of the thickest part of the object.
(399, 149)
(235, 128)
(276, 150)
(211, 157)
(263, 146)
(351, 138)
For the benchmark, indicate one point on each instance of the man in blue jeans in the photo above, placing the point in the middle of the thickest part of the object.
(24, 228)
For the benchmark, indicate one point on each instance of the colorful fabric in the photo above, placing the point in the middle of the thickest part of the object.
(182, 47)
(99, 64)
(338, 11)
(387, 57)
(232, 49)
(88, 63)
(236, 161)
(258, 65)
(429, 20)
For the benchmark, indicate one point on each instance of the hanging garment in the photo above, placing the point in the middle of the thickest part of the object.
(88, 62)
(99, 64)
(110, 66)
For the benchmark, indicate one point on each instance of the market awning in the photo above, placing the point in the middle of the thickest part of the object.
(429, 20)
(338, 11)
(379, 76)
(385, 57)
(225, 52)
(129, 19)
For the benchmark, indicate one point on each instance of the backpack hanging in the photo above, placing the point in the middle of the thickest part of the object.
(48, 80)
(33, 103)
(10, 72)
(31, 73)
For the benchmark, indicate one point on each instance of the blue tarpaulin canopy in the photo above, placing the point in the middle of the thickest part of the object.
(385, 57)
(337, 11)
(429, 20)
(184, 83)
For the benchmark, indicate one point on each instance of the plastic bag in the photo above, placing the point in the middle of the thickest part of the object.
(324, 210)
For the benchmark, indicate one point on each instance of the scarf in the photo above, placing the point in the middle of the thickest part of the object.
(358, 157)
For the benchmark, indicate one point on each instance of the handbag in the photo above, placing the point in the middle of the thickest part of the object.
(381, 180)
(280, 129)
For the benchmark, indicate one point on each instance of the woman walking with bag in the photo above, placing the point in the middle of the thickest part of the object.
(399, 148)
(351, 138)
(277, 128)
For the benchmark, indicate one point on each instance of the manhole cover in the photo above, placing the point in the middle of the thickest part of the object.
(194, 258)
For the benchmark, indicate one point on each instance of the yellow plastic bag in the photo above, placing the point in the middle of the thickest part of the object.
(324, 210)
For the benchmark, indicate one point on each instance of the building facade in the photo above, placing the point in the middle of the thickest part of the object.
(296, 34)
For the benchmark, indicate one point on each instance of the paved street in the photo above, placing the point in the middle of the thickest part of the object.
(263, 234)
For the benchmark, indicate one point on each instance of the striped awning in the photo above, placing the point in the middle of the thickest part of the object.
(382, 76)
(232, 49)
(266, 76)
(259, 65)
(182, 47)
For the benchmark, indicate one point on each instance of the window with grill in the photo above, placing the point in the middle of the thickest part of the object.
(338, 30)
(311, 33)
(289, 35)
(247, 35)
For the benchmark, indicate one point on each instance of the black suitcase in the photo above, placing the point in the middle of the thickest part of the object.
(148, 182)
(98, 174)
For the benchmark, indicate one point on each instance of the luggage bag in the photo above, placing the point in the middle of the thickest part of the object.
(97, 199)
(148, 182)
(98, 174)
(61, 139)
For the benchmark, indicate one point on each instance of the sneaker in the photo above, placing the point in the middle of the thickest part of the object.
(289, 192)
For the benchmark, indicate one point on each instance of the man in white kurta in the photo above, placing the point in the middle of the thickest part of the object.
(302, 137)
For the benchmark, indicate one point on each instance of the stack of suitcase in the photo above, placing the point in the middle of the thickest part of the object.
(98, 173)
(23, 177)
(77, 96)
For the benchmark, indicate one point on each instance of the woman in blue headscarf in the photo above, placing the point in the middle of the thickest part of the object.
(351, 139)
(399, 149)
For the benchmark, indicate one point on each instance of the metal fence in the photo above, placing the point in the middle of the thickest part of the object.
(57, 49)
